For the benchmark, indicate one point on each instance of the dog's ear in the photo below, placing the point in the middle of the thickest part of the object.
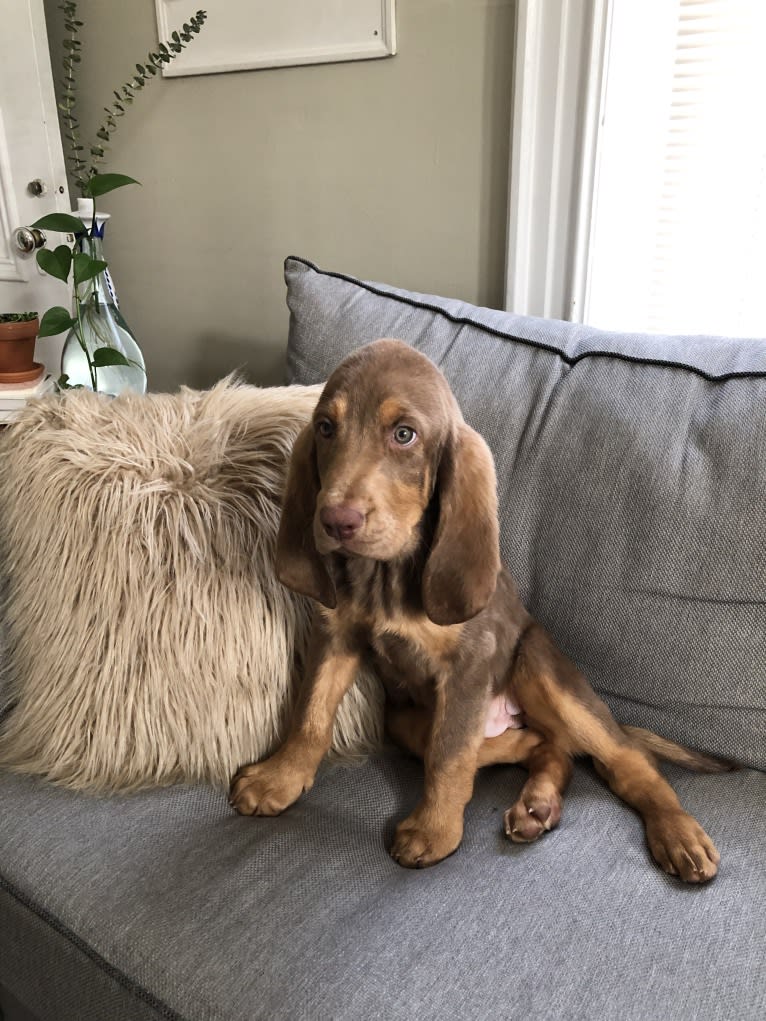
(461, 572)
(299, 566)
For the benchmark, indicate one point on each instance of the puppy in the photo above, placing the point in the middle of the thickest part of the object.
(390, 525)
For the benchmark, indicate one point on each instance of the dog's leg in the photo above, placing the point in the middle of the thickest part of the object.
(538, 808)
(409, 727)
(269, 787)
(559, 701)
(434, 830)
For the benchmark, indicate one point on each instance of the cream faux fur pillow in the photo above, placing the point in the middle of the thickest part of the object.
(147, 638)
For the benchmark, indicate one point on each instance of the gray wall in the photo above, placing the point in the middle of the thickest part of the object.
(394, 170)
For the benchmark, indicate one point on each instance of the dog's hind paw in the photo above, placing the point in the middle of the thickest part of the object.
(681, 847)
(537, 811)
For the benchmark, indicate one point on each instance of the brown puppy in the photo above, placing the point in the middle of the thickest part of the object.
(390, 524)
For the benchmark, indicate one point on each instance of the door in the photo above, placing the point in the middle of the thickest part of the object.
(32, 171)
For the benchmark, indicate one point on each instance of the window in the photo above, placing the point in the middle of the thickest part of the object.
(666, 202)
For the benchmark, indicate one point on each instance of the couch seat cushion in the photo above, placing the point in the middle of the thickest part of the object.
(165, 904)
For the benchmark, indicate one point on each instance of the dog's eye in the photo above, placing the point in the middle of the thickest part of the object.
(325, 428)
(404, 436)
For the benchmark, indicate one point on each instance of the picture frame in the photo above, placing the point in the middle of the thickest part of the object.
(244, 35)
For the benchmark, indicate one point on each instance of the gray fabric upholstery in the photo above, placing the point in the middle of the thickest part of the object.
(631, 471)
(206, 916)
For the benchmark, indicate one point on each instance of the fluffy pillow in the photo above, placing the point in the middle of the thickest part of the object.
(147, 638)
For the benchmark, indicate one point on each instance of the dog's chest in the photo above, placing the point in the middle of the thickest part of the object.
(379, 605)
(410, 652)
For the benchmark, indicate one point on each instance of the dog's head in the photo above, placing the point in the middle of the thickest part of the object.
(388, 443)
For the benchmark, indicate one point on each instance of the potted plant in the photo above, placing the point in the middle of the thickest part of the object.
(100, 350)
(18, 333)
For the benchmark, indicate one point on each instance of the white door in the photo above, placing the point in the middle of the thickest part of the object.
(32, 172)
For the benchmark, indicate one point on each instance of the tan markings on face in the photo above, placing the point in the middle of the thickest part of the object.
(338, 407)
(393, 508)
(400, 507)
(390, 411)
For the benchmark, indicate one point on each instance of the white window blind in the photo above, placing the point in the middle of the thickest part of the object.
(678, 229)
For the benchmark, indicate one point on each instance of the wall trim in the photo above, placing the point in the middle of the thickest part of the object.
(560, 55)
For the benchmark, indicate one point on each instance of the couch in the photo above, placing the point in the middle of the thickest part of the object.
(631, 478)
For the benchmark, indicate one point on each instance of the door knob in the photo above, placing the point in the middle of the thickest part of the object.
(27, 239)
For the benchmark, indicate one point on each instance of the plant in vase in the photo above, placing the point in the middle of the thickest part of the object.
(100, 351)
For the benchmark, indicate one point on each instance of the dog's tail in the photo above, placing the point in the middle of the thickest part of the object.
(672, 752)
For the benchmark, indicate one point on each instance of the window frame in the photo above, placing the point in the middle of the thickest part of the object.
(558, 98)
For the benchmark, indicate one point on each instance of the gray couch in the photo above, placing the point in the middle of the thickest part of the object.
(631, 473)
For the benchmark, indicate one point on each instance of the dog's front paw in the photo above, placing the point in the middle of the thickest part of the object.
(681, 847)
(268, 788)
(417, 845)
(537, 811)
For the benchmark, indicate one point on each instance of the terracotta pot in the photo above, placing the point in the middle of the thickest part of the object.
(17, 352)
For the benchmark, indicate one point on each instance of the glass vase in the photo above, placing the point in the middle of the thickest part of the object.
(100, 324)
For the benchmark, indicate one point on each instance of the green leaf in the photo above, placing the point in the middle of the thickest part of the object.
(108, 356)
(103, 183)
(55, 320)
(62, 222)
(86, 268)
(56, 263)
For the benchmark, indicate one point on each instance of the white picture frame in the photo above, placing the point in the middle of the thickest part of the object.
(242, 35)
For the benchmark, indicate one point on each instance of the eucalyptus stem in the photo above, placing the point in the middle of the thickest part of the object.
(123, 97)
(68, 102)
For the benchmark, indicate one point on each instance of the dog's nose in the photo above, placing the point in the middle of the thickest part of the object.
(341, 522)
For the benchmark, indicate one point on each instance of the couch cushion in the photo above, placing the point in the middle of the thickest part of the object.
(631, 477)
(165, 904)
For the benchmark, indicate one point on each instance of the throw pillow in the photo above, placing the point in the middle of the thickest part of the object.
(147, 639)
